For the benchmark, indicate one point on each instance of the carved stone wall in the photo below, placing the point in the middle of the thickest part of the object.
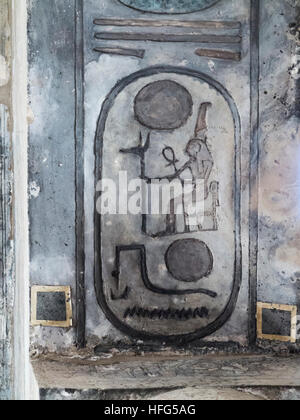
(278, 274)
(126, 86)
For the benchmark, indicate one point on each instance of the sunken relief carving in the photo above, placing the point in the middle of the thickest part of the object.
(171, 276)
(169, 6)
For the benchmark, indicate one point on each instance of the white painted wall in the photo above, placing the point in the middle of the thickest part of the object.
(25, 384)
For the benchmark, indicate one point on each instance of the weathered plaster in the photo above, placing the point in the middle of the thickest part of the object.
(52, 153)
(14, 304)
(279, 191)
(25, 385)
(4, 71)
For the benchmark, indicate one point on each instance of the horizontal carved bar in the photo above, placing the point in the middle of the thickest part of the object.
(207, 39)
(121, 51)
(177, 370)
(181, 315)
(172, 23)
(224, 55)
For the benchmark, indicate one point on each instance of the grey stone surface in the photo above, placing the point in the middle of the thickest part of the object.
(163, 105)
(189, 260)
(52, 153)
(52, 160)
(125, 231)
(278, 262)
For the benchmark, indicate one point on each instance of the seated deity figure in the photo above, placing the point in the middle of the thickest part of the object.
(185, 213)
(200, 164)
(200, 161)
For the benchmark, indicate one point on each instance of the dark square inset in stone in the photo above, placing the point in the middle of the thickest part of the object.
(276, 322)
(51, 306)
